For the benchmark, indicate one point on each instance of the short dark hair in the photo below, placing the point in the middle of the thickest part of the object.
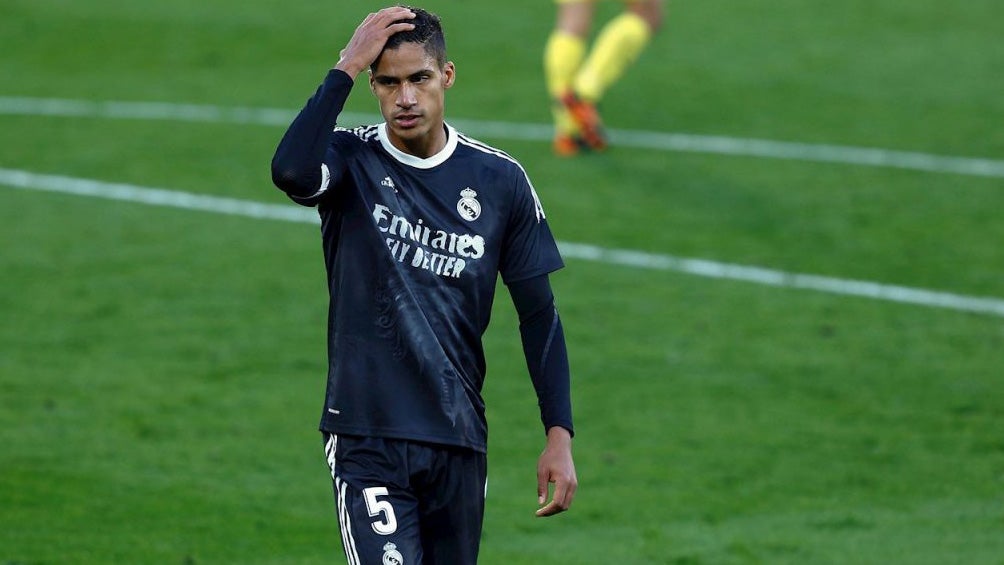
(428, 32)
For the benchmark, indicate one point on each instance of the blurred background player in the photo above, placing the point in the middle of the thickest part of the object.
(577, 80)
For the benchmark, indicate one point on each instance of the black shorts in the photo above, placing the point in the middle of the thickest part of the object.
(407, 502)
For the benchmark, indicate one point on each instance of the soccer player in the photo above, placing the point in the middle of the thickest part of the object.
(417, 223)
(576, 82)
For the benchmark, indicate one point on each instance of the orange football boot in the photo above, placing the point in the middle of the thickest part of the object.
(566, 145)
(588, 120)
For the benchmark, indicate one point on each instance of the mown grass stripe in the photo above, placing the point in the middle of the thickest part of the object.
(582, 251)
(659, 141)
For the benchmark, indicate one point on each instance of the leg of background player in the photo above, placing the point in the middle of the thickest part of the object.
(563, 55)
(616, 48)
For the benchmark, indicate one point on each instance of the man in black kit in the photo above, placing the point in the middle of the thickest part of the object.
(417, 222)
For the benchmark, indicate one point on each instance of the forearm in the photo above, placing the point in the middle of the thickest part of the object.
(296, 165)
(547, 361)
(545, 351)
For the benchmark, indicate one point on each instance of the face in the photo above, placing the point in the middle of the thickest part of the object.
(411, 89)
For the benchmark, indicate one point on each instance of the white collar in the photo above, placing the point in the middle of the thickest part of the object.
(417, 162)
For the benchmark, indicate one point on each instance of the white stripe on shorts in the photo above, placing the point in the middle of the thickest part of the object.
(329, 451)
(344, 522)
(348, 542)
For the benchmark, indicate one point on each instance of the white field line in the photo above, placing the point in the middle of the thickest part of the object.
(659, 141)
(624, 257)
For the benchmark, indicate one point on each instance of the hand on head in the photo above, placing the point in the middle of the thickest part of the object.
(370, 37)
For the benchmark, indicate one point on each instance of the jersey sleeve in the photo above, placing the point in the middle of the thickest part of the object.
(529, 248)
(304, 165)
(545, 350)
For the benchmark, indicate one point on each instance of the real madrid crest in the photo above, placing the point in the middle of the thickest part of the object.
(391, 556)
(468, 206)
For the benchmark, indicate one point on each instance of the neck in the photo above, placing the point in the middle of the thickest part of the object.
(425, 146)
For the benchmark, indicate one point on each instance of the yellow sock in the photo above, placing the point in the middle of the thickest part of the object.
(617, 46)
(562, 56)
(564, 123)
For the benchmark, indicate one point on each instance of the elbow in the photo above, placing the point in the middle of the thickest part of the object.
(291, 179)
(284, 178)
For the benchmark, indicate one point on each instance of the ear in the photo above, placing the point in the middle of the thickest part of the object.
(372, 82)
(449, 74)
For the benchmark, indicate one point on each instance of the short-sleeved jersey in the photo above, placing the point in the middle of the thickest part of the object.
(413, 249)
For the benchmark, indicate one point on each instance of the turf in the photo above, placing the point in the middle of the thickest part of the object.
(161, 370)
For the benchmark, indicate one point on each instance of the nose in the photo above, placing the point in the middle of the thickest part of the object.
(406, 95)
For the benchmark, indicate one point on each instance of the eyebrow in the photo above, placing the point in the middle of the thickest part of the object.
(417, 74)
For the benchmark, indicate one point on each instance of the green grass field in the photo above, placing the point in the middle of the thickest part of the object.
(161, 368)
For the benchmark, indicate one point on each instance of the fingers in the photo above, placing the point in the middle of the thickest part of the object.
(564, 492)
(384, 20)
(550, 510)
(562, 501)
(381, 25)
(370, 37)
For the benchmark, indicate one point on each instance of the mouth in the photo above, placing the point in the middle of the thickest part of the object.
(407, 120)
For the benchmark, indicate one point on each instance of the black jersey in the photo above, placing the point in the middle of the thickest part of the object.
(413, 249)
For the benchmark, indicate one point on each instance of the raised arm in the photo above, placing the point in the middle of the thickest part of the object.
(298, 167)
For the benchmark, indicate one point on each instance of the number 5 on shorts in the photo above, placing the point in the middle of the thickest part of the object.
(388, 524)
